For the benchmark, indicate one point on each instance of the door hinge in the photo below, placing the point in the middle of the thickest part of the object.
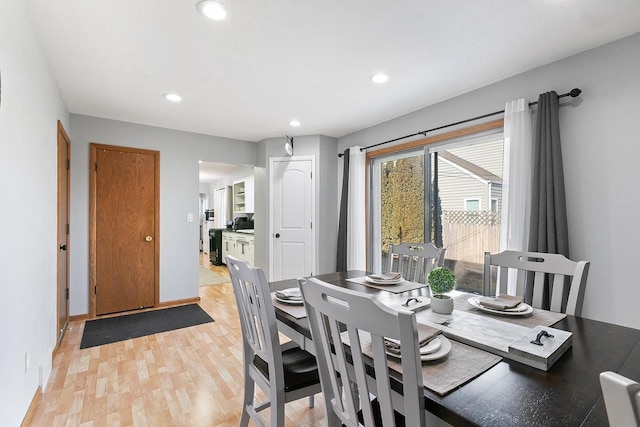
(312, 226)
(67, 293)
(68, 164)
(67, 228)
(311, 175)
(96, 167)
(95, 290)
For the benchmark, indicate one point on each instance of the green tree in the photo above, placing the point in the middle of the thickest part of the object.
(402, 201)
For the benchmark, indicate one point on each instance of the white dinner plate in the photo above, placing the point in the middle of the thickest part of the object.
(444, 347)
(289, 301)
(384, 282)
(521, 312)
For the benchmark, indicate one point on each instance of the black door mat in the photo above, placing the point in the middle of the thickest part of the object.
(114, 329)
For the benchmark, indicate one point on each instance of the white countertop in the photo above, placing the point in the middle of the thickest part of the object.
(246, 231)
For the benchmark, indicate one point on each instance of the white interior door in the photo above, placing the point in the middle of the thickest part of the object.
(292, 215)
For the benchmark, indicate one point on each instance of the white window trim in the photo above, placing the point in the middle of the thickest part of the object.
(469, 199)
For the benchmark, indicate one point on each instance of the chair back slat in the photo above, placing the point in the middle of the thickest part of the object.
(554, 269)
(538, 288)
(332, 311)
(382, 379)
(557, 291)
(415, 260)
(362, 386)
(521, 281)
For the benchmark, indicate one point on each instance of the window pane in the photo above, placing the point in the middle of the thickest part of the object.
(469, 189)
(472, 204)
(401, 202)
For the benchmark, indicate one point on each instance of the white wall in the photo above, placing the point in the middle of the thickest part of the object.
(179, 195)
(29, 109)
(600, 150)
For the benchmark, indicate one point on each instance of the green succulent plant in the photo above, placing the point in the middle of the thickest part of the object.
(441, 280)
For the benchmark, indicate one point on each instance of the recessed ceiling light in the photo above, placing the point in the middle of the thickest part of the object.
(379, 78)
(294, 123)
(173, 97)
(212, 10)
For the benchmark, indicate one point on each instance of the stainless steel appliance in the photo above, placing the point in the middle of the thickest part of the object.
(242, 223)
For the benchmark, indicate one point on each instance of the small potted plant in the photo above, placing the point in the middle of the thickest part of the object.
(441, 280)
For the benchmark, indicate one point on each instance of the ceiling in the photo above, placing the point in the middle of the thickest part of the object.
(272, 61)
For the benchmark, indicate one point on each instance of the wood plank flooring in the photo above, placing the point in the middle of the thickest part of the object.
(186, 377)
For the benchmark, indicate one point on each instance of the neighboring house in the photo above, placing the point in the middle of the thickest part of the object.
(470, 177)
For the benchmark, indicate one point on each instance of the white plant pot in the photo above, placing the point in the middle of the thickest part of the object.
(441, 304)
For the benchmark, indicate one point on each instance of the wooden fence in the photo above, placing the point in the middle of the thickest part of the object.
(467, 235)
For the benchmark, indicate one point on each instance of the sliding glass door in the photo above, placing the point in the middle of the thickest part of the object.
(453, 200)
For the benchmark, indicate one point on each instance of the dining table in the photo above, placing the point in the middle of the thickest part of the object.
(509, 392)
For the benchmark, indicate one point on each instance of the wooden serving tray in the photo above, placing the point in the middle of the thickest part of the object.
(498, 336)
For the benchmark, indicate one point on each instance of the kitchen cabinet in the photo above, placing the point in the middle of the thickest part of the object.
(243, 196)
(244, 247)
(239, 245)
(228, 244)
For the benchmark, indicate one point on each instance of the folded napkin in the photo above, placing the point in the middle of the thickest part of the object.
(386, 276)
(501, 302)
(425, 335)
(293, 294)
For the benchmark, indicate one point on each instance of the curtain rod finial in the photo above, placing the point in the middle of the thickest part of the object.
(575, 92)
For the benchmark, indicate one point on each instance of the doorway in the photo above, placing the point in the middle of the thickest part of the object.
(124, 229)
(64, 158)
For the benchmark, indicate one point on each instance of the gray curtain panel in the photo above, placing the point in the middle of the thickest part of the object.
(549, 231)
(341, 260)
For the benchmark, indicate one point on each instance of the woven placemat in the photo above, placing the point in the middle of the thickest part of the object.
(461, 365)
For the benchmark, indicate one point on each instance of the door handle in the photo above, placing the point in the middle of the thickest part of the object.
(148, 238)
(63, 247)
(277, 235)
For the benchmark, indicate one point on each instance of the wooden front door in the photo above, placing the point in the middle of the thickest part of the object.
(124, 228)
(64, 158)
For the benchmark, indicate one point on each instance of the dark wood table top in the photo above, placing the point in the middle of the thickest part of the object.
(513, 394)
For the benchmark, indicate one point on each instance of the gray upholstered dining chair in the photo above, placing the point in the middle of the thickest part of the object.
(554, 267)
(415, 260)
(621, 399)
(283, 372)
(330, 310)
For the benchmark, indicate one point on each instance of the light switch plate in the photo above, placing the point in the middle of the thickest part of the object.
(189, 217)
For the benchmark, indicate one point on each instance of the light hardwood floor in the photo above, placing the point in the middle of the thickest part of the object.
(186, 377)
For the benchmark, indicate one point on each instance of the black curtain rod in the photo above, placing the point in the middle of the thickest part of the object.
(573, 93)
